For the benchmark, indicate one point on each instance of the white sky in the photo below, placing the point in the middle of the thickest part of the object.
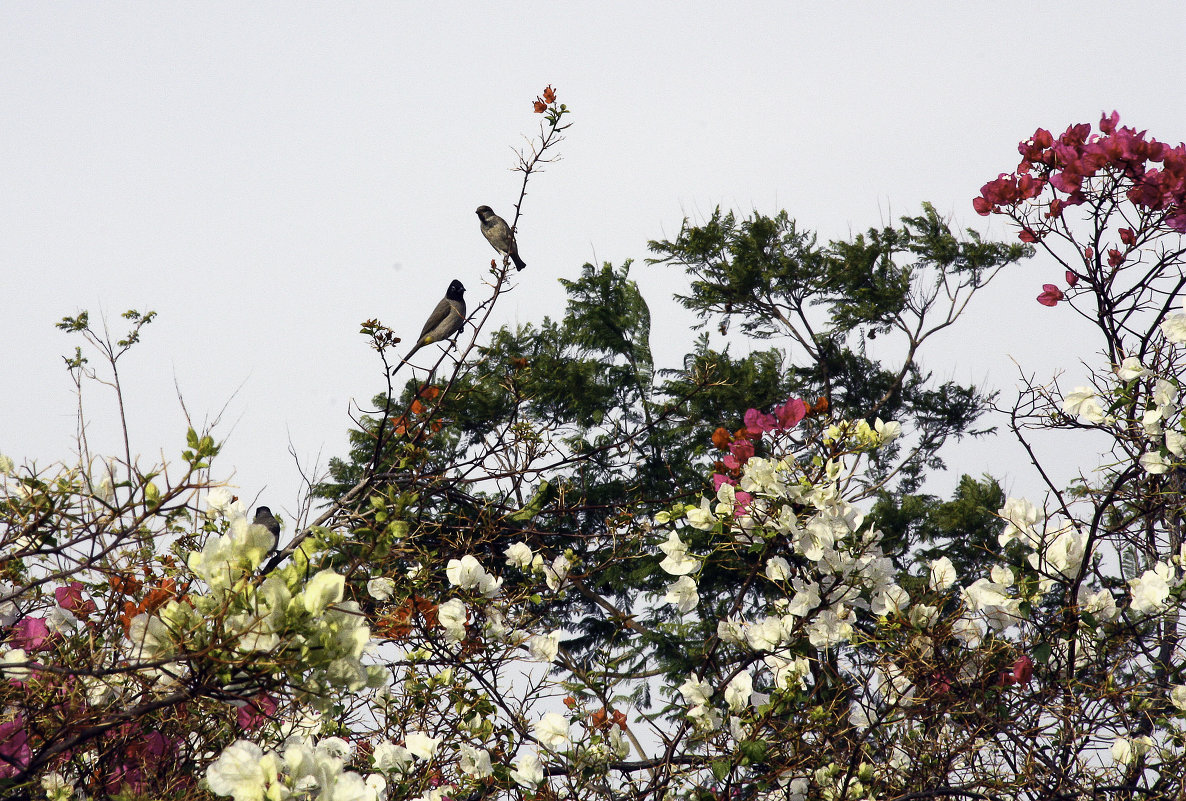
(266, 176)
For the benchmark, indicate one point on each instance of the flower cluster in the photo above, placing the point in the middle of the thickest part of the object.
(295, 618)
(1076, 156)
(302, 768)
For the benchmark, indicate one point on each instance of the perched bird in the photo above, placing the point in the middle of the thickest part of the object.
(264, 517)
(447, 319)
(499, 235)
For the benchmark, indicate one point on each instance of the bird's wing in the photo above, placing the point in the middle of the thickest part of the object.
(437, 317)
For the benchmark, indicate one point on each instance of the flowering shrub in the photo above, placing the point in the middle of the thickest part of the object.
(443, 631)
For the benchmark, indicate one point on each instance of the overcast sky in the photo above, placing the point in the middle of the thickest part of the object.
(266, 176)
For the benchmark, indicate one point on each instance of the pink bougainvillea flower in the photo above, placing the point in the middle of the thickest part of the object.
(1072, 278)
(1050, 296)
(1177, 219)
(1088, 252)
(791, 413)
(1026, 235)
(69, 597)
(757, 422)
(1127, 236)
(1115, 257)
(720, 478)
(14, 747)
(741, 450)
(730, 462)
(742, 501)
(257, 712)
(29, 633)
(1023, 669)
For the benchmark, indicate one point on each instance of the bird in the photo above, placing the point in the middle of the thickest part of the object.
(499, 235)
(265, 518)
(447, 319)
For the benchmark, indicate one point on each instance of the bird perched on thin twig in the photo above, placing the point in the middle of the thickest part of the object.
(447, 319)
(499, 235)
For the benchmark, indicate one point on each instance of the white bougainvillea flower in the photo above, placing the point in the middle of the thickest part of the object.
(683, 594)
(1174, 328)
(695, 691)
(1131, 368)
(528, 772)
(731, 631)
(475, 762)
(739, 690)
(778, 569)
(325, 588)
(1153, 463)
(804, 601)
(942, 574)
(388, 757)
(677, 562)
(1152, 589)
(238, 772)
(519, 555)
(468, 574)
(381, 589)
(704, 718)
(557, 572)
(544, 647)
(1165, 397)
(1175, 443)
(420, 745)
(1002, 574)
(890, 600)
(702, 517)
(1099, 604)
(832, 627)
(887, 432)
(552, 731)
(451, 616)
(1083, 402)
(1021, 522)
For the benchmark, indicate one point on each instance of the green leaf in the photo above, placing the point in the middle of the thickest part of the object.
(1042, 653)
(753, 750)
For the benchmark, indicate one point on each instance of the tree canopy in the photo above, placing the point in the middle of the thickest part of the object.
(550, 566)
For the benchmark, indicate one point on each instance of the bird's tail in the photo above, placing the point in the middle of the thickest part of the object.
(404, 360)
(519, 263)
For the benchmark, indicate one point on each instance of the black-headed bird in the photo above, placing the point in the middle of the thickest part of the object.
(447, 319)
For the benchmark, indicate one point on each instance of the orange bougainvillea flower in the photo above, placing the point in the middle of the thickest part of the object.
(154, 600)
(540, 106)
(549, 94)
(721, 438)
(125, 585)
(605, 718)
(820, 406)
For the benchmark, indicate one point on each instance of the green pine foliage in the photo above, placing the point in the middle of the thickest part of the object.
(580, 403)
